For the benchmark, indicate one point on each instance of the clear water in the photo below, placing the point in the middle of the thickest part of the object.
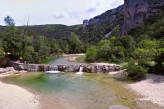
(64, 61)
(71, 91)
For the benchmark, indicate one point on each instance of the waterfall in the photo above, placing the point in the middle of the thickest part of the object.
(80, 71)
(53, 70)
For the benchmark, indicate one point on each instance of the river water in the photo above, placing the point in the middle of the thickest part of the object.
(72, 91)
(64, 61)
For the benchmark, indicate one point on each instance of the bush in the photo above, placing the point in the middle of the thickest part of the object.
(135, 72)
(91, 54)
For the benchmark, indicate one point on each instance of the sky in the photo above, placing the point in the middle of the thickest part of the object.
(68, 12)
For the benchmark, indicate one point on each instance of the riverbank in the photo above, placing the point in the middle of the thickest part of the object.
(15, 97)
(151, 89)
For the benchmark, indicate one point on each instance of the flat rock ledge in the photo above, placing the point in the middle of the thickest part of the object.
(118, 107)
(65, 68)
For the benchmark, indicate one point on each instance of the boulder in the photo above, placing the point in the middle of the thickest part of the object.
(9, 69)
(21, 67)
(3, 70)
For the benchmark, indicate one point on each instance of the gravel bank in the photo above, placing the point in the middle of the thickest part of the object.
(15, 97)
(152, 89)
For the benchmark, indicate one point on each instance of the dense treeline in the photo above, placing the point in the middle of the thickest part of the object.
(143, 49)
(53, 31)
(29, 46)
(56, 31)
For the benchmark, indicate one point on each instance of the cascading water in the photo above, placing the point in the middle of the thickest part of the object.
(53, 70)
(80, 71)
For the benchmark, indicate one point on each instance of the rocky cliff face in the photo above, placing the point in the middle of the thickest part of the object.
(137, 11)
(134, 12)
(112, 15)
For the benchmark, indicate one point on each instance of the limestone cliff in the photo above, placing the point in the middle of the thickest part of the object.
(112, 15)
(134, 12)
(137, 11)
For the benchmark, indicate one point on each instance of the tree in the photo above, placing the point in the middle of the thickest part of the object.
(23, 34)
(126, 42)
(91, 54)
(104, 50)
(30, 54)
(74, 43)
(12, 41)
(146, 50)
(1, 50)
(9, 21)
(135, 72)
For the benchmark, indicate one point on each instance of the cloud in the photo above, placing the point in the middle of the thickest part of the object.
(75, 14)
(98, 4)
(91, 10)
(24, 1)
(55, 11)
(58, 16)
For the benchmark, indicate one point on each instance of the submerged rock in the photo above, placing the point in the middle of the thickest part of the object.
(118, 107)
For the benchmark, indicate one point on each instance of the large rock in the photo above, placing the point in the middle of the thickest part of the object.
(9, 69)
(21, 67)
(3, 70)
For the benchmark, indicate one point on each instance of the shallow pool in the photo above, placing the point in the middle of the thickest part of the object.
(71, 91)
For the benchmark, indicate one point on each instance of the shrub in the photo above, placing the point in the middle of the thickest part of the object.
(135, 72)
(91, 54)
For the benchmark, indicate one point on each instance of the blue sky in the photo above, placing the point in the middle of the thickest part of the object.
(68, 12)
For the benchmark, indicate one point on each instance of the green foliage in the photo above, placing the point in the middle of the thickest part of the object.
(148, 49)
(91, 54)
(74, 43)
(152, 27)
(39, 48)
(93, 33)
(80, 58)
(31, 47)
(54, 31)
(1, 51)
(116, 49)
(159, 60)
(12, 40)
(103, 50)
(135, 72)
(9, 21)
(30, 54)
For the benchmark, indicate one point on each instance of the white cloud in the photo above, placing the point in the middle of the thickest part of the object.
(55, 11)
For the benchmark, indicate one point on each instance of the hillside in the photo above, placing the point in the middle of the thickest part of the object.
(122, 20)
(100, 26)
(53, 31)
